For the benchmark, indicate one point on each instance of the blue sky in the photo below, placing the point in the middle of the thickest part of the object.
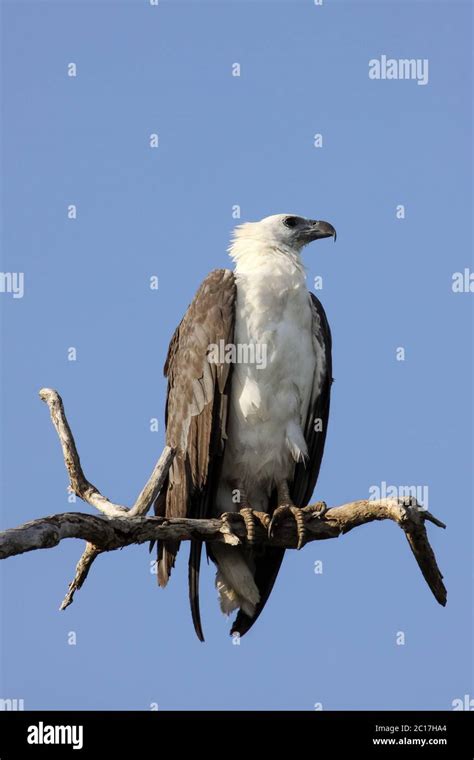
(327, 638)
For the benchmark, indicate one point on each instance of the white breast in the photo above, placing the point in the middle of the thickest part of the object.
(269, 400)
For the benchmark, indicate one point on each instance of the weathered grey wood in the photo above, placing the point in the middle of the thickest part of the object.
(119, 527)
(151, 490)
(108, 533)
(78, 482)
(82, 570)
(89, 493)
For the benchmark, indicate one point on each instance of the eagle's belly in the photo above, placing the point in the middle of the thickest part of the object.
(269, 396)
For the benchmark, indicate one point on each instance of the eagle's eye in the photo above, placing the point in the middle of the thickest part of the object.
(290, 221)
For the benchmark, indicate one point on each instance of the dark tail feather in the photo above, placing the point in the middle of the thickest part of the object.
(167, 551)
(194, 565)
(267, 567)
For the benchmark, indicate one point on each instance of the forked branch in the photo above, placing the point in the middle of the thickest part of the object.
(118, 526)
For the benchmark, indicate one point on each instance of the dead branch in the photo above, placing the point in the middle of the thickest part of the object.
(118, 527)
(82, 571)
(79, 483)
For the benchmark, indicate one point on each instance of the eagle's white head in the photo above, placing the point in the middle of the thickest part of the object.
(281, 233)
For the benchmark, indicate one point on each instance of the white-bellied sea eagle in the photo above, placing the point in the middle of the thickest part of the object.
(249, 378)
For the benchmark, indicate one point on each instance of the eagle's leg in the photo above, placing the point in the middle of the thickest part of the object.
(249, 516)
(286, 507)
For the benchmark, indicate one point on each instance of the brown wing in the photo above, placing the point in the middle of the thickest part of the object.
(196, 413)
(306, 473)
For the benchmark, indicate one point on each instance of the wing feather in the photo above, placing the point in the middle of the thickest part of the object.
(307, 472)
(196, 414)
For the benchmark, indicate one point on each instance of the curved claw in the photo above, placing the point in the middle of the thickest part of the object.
(248, 517)
(230, 537)
(298, 515)
(317, 510)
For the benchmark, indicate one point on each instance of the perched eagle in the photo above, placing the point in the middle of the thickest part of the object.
(248, 426)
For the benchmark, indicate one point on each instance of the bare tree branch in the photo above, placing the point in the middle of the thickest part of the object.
(82, 571)
(78, 481)
(79, 485)
(151, 490)
(107, 534)
(119, 527)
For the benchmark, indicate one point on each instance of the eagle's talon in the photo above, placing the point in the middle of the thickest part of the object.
(245, 515)
(227, 519)
(249, 519)
(317, 510)
(298, 515)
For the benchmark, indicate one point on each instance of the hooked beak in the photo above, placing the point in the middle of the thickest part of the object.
(320, 229)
